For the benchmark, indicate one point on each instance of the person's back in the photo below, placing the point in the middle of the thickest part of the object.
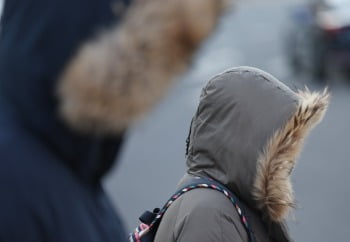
(246, 134)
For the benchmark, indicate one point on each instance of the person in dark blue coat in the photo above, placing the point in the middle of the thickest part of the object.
(49, 175)
(73, 76)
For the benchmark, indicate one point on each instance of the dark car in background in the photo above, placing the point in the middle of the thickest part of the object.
(320, 37)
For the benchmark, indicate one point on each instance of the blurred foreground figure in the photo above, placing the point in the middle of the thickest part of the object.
(246, 134)
(72, 80)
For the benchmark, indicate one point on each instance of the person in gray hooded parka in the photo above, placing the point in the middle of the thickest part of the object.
(247, 133)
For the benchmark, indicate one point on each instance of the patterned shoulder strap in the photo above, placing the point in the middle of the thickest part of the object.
(196, 182)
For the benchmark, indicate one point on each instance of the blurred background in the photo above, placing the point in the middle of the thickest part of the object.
(300, 43)
(288, 39)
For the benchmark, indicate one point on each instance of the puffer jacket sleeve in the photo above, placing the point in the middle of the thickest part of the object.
(207, 224)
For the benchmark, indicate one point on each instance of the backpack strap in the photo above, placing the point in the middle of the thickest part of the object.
(151, 221)
(202, 182)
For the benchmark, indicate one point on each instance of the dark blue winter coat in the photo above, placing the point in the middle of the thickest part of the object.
(50, 176)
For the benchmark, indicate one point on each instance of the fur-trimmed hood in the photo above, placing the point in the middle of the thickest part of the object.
(120, 74)
(248, 132)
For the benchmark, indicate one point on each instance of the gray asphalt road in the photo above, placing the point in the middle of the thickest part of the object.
(153, 157)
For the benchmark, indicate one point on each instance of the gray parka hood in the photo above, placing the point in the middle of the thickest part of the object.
(247, 133)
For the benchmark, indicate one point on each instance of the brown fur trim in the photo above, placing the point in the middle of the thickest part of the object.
(116, 78)
(272, 188)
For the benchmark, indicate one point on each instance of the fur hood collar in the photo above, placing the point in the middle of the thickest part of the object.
(248, 132)
(119, 75)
